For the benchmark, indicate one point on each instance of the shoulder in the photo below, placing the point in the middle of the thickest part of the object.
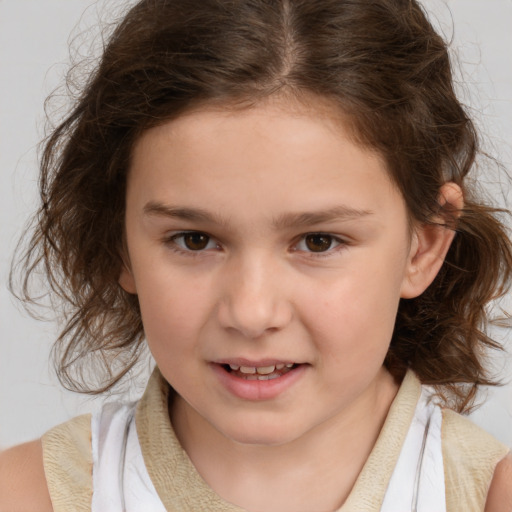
(463, 438)
(53, 474)
(471, 457)
(23, 484)
(68, 463)
(499, 498)
(468, 443)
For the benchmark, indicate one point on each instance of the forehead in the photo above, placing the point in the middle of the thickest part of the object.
(273, 156)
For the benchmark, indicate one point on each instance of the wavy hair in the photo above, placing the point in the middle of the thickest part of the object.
(385, 68)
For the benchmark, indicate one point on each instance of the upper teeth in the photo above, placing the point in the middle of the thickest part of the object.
(260, 370)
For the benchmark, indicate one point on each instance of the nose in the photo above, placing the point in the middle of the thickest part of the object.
(254, 301)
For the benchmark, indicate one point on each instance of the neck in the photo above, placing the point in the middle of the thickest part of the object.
(313, 472)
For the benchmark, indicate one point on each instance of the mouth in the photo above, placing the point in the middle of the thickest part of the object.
(267, 372)
(266, 379)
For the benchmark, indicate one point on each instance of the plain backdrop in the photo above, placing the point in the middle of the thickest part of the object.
(34, 38)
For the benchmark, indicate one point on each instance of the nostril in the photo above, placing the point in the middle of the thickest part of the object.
(254, 315)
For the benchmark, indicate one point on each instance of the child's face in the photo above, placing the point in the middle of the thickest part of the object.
(264, 238)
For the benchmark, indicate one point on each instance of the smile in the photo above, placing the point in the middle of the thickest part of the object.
(268, 372)
(262, 380)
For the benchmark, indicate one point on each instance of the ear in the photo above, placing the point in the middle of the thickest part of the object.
(126, 279)
(430, 244)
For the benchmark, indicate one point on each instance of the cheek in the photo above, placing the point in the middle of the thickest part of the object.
(170, 328)
(173, 308)
(355, 313)
(358, 308)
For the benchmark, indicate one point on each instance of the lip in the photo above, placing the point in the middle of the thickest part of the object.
(257, 390)
(240, 361)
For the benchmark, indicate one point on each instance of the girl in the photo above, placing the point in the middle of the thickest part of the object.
(273, 196)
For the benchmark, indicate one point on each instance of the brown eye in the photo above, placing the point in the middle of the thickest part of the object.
(318, 242)
(195, 241)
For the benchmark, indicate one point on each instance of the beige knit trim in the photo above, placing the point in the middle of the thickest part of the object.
(67, 460)
(178, 484)
(470, 456)
(182, 489)
(370, 488)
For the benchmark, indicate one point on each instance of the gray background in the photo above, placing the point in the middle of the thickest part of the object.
(34, 36)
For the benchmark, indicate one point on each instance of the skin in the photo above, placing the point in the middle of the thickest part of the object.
(22, 482)
(254, 183)
(257, 292)
(499, 498)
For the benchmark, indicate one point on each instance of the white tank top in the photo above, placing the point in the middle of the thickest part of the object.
(121, 482)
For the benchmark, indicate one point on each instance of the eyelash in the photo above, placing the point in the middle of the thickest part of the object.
(171, 242)
(336, 244)
(339, 244)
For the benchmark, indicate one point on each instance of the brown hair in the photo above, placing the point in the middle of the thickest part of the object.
(379, 61)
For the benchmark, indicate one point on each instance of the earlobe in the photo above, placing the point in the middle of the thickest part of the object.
(126, 280)
(431, 243)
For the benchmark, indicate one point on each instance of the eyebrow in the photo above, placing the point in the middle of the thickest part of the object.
(180, 212)
(337, 213)
(284, 221)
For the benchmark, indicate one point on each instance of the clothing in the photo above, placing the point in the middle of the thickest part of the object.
(130, 455)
